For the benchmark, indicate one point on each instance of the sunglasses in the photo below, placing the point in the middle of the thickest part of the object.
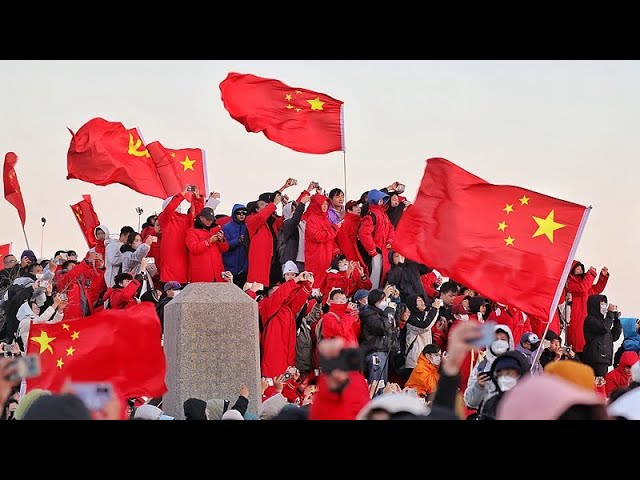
(241, 212)
(72, 253)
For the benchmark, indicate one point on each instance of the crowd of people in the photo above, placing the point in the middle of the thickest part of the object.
(349, 327)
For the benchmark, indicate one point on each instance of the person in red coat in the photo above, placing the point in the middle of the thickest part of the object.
(174, 226)
(71, 282)
(431, 282)
(348, 233)
(122, 294)
(278, 312)
(319, 238)
(580, 285)
(377, 239)
(341, 395)
(345, 275)
(620, 377)
(206, 244)
(260, 229)
(341, 321)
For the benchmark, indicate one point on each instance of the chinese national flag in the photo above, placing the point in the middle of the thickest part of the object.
(87, 219)
(12, 192)
(118, 346)
(103, 153)
(512, 245)
(5, 249)
(178, 168)
(301, 119)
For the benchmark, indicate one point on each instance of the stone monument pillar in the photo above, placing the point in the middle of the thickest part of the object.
(212, 346)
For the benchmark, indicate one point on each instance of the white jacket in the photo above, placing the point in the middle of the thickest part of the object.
(25, 316)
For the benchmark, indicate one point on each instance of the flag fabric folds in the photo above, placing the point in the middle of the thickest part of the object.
(177, 168)
(87, 219)
(12, 192)
(118, 346)
(510, 244)
(103, 152)
(298, 118)
(5, 250)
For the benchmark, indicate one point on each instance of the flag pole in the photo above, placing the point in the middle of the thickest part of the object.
(44, 220)
(344, 151)
(563, 280)
(25, 238)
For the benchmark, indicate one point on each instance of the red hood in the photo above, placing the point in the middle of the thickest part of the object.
(628, 359)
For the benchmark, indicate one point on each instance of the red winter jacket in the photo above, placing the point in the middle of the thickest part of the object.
(341, 322)
(346, 405)
(377, 236)
(205, 259)
(278, 317)
(347, 236)
(429, 281)
(72, 284)
(319, 239)
(120, 298)
(260, 246)
(336, 279)
(173, 249)
(617, 378)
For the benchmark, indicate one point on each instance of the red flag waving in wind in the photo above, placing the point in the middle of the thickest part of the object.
(178, 168)
(103, 152)
(513, 245)
(87, 219)
(118, 346)
(5, 250)
(301, 119)
(12, 192)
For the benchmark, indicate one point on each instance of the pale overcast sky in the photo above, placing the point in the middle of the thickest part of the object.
(563, 128)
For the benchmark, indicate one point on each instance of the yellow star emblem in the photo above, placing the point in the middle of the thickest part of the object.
(173, 154)
(44, 340)
(509, 241)
(289, 106)
(288, 96)
(70, 351)
(75, 335)
(298, 92)
(546, 226)
(524, 200)
(65, 326)
(316, 104)
(298, 109)
(59, 363)
(502, 226)
(187, 164)
(508, 208)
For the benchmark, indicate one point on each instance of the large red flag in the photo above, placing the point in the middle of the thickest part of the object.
(5, 250)
(87, 219)
(12, 192)
(513, 245)
(118, 346)
(103, 152)
(301, 119)
(177, 168)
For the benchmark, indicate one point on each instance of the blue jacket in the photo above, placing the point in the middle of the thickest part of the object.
(631, 336)
(235, 259)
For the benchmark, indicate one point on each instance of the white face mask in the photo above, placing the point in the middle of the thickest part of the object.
(383, 304)
(343, 268)
(435, 360)
(603, 308)
(506, 383)
(498, 347)
(39, 276)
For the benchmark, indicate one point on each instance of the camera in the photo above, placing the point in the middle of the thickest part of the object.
(349, 360)
(400, 188)
(191, 188)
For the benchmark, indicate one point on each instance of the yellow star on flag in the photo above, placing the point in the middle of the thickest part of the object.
(173, 154)
(65, 326)
(524, 200)
(44, 340)
(298, 109)
(288, 96)
(187, 164)
(298, 92)
(59, 363)
(70, 351)
(502, 226)
(75, 335)
(289, 106)
(509, 241)
(316, 104)
(546, 226)
(508, 208)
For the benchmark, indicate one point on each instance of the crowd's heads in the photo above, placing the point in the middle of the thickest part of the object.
(375, 297)
(577, 373)
(58, 407)
(207, 216)
(172, 287)
(448, 291)
(290, 270)
(9, 261)
(340, 263)
(433, 353)
(123, 279)
(195, 409)
(337, 297)
(507, 369)
(124, 233)
(239, 212)
(134, 240)
(353, 206)
(336, 197)
(361, 296)
(150, 412)
(530, 341)
(27, 258)
(376, 197)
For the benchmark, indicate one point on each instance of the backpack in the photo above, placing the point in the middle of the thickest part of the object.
(399, 357)
(363, 251)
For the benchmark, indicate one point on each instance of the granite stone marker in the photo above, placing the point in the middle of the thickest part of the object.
(212, 346)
